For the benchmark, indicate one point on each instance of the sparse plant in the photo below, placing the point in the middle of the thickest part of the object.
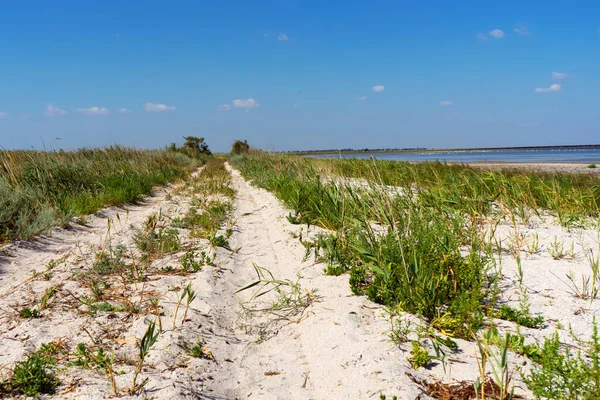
(144, 346)
(189, 264)
(587, 290)
(533, 247)
(419, 357)
(557, 249)
(29, 313)
(562, 374)
(501, 370)
(48, 294)
(400, 328)
(34, 375)
(190, 295)
(199, 350)
(521, 317)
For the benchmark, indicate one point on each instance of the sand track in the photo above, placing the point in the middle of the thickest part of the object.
(338, 350)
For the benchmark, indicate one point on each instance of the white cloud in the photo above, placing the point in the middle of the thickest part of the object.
(497, 34)
(153, 107)
(247, 104)
(52, 111)
(125, 111)
(522, 30)
(446, 103)
(560, 75)
(3, 115)
(555, 87)
(93, 111)
(282, 36)
(378, 88)
(482, 37)
(224, 107)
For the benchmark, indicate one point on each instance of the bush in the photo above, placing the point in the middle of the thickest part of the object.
(34, 375)
(564, 375)
(240, 147)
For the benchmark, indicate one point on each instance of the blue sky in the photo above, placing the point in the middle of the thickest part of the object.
(299, 74)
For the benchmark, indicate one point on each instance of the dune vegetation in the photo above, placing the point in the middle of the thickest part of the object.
(495, 271)
(422, 238)
(39, 190)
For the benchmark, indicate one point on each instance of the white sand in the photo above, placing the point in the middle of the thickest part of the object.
(337, 348)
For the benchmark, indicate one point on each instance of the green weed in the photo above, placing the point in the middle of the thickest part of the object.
(561, 374)
(35, 375)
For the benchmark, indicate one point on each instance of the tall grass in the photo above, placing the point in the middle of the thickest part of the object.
(412, 235)
(402, 247)
(568, 196)
(39, 190)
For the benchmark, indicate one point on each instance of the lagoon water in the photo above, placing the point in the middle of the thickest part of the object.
(545, 155)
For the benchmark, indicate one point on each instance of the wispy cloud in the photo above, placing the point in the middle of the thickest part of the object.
(555, 87)
(224, 107)
(560, 75)
(522, 30)
(3, 115)
(125, 111)
(154, 107)
(92, 111)
(446, 103)
(497, 34)
(247, 103)
(378, 88)
(53, 111)
(282, 36)
(482, 37)
(360, 98)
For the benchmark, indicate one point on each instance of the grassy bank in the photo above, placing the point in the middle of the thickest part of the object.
(39, 190)
(421, 238)
(418, 236)
(396, 247)
(568, 196)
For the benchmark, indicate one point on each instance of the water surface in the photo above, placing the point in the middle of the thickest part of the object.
(545, 156)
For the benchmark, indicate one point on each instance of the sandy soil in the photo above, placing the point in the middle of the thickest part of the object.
(335, 346)
(569, 168)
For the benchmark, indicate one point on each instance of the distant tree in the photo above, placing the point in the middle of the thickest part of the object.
(196, 145)
(240, 147)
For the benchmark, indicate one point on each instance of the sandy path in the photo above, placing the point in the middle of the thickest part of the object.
(339, 350)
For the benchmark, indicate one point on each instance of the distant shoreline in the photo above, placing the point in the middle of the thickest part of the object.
(428, 150)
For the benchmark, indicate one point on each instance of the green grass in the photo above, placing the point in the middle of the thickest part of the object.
(413, 260)
(34, 375)
(564, 374)
(39, 190)
(418, 244)
(459, 187)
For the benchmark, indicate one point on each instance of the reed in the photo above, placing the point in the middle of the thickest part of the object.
(39, 190)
